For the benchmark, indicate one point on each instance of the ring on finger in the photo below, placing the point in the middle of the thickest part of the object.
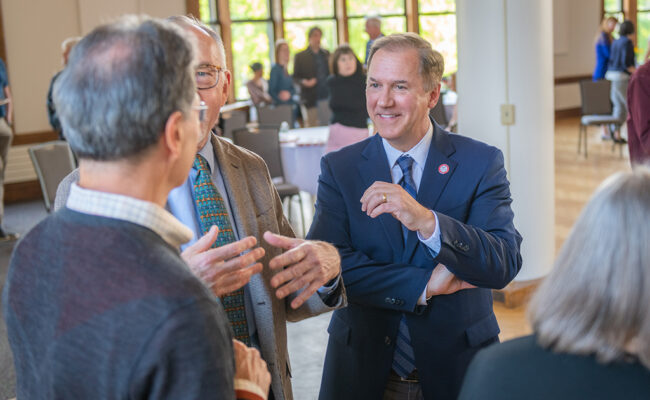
(384, 198)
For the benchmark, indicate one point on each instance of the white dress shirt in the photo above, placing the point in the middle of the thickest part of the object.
(419, 154)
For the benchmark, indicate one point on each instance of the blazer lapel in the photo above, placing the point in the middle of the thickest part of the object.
(438, 169)
(237, 190)
(374, 167)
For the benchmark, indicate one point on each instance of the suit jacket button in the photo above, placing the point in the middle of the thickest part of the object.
(387, 341)
(387, 300)
(466, 247)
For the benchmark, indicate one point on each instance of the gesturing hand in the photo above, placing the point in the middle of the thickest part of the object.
(309, 265)
(442, 281)
(223, 269)
(250, 366)
(384, 197)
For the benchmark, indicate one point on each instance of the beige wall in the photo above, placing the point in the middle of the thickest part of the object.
(34, 30)
(575, 23)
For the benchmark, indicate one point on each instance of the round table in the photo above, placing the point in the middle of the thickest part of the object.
(302, 150)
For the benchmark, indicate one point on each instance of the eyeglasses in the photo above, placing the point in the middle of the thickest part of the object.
(202, 108)
(207, 76)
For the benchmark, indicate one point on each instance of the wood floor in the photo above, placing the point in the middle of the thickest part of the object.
(576, 178)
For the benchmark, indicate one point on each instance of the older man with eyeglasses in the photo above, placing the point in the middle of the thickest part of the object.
(230, 203)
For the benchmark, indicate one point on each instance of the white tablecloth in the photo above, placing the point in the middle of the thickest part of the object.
(302, 150)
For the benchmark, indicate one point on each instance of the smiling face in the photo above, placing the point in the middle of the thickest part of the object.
(395, 97)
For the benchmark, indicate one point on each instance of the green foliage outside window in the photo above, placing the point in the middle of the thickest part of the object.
(302, 9)
(440, 31)
(204, 11)
(642, 35)
(437, 6)
(250, 43)
(249, 9)
(364, 8)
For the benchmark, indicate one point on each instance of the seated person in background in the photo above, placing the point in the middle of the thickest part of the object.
(66, 48)
(590, 316)
(281, 87)
(98, 302)
(257, 87)
(347, 86)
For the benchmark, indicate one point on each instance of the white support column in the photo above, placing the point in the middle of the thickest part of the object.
(505, 56)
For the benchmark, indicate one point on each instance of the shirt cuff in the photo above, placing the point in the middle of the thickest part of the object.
(433, 242)
(422, 301)
(329, 289)
(247, 390)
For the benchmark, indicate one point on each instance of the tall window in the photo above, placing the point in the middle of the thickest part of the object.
(438, 26)
(301, 15)
(251, 30)
(642, 29)
(614, 8)
(391, 12)
(251, 23)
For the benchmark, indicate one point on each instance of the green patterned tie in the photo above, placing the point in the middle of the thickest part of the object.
(212, 211)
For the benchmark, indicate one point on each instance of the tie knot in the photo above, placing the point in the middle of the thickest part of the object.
(405, 162)
(200, 164)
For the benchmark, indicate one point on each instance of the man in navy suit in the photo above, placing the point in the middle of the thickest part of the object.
(423, 223)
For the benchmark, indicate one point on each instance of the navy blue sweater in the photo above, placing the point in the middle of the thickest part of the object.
(98, 308)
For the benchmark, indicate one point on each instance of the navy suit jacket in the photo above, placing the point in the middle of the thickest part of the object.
(385, 277)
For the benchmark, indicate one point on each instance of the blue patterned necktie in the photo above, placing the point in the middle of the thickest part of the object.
(212, 211)
(403, 358)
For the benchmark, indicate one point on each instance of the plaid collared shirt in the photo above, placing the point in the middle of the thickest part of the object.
(129, 209)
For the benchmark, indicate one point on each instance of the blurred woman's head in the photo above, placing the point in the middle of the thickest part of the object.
(282, 52)
(608, 25)
(345, 62)
(595, 301)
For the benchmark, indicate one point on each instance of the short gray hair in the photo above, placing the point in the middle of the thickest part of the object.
(122, 83)
(374, 20)
(186, 22)
(595, 301)
(432, 65)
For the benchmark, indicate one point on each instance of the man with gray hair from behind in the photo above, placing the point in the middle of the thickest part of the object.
(98, 302)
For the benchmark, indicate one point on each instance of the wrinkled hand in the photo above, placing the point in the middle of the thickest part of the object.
(250, 366)
(309, 264)
(309, 83)
(223, 269)
(384, 197)
(284, 95)
(442, 281)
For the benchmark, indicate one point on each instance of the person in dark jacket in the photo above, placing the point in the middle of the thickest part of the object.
(310, 71)
(621, 66)
(347, 86)
(590, 316)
